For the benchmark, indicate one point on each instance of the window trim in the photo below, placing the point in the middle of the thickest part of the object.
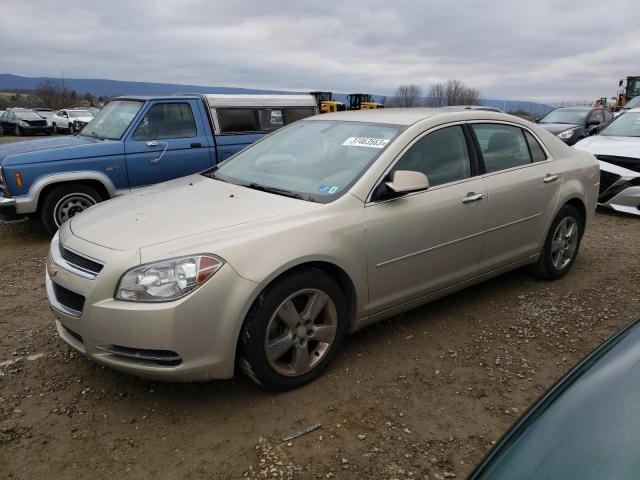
(472, 154)
(518, 167)
(146, 112)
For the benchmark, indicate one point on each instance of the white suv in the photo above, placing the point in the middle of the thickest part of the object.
(71, 120)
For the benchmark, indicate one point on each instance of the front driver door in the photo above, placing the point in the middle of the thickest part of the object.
(422, 242)
(170, 141)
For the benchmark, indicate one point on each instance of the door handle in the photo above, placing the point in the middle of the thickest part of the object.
(473, 197)
(154, 143)
(549, 178)
(196, 145)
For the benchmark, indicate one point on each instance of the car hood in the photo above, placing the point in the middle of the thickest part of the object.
(82, 119)
(557, 128)
(52, 149)
(180, 208)
(608, 145)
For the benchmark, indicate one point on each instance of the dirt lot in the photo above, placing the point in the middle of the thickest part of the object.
(422, 396)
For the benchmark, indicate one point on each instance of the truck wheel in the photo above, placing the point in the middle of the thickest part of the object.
(65, 202)
(293, 330)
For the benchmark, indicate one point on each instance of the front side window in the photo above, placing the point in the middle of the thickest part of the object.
(166, 120)
(442, 156)
(315, 159)
(502, 146)
(113, 120)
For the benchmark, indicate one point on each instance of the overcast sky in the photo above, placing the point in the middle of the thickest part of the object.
(545, 50)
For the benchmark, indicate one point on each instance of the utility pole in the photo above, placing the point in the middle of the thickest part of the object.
(62, 71)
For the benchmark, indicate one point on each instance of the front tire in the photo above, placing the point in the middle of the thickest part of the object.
(561, 245)
(18, 132)
(65, 202)
(293, 330)
(55, 129)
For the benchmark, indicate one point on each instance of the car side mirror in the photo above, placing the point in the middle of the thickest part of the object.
(407, 181)
(593, 123)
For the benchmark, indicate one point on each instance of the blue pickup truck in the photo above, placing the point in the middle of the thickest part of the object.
(134, 142)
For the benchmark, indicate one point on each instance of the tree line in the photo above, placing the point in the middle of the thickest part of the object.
(50, 94)
(443, 94)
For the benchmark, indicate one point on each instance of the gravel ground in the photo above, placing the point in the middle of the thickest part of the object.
(422, 396)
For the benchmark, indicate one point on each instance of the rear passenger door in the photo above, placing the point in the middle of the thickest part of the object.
(523, 186)
(169, 141)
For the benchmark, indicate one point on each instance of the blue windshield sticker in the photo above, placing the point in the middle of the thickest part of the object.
(327, 189)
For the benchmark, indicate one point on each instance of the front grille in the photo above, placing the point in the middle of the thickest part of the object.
(37, 123)
(159, 357)
(69, 299)
(78, 261)
(624, 162)
(606, 180)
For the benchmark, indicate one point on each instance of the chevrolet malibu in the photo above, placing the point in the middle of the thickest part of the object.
(268, 259)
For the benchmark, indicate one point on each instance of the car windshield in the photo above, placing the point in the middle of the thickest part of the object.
(28, 116)
(575, 117)
(588, 428)
(633, 103)
(627, 125)
(112, 121)
(317, 160)
(79, 113)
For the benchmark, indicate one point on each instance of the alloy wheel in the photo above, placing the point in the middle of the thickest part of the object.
(564, 243)
(301, 332)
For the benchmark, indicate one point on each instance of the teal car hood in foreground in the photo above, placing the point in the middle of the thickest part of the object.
(585, 427)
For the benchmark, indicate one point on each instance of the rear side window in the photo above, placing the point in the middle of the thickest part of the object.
(502, 146)
(537, 153)
(270, 119)
(442, 156)
(237, 120)
(298, 113)
(166, 120)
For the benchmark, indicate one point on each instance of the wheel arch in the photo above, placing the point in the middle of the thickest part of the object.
(41, 187)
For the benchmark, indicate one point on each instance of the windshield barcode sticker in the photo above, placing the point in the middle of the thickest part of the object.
(366, 142)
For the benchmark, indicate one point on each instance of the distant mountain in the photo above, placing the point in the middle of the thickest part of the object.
(111, 88)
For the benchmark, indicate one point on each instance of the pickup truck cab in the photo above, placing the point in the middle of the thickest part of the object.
(134, 142)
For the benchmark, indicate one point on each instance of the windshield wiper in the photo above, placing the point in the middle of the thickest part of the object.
(95, 135)
(278, 191)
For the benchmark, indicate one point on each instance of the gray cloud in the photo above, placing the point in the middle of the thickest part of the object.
(517, 49)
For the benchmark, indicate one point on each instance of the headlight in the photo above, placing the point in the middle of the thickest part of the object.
(23, 123)
(566, 134)
(167, 280)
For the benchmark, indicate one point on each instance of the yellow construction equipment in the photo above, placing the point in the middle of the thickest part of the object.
(326, 103)
(631, 90)
(362, 101)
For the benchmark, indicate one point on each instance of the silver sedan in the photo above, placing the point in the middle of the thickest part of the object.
(335, 222)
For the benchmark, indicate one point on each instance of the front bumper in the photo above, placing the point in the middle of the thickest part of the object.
(36, 129)
(8, 208)
(626, 200)
(190, 339)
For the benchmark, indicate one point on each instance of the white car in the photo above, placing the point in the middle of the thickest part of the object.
(617, 147)
(71, 120)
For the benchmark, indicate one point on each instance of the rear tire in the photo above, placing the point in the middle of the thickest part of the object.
(561, 245)
(64, 202)
(293, 330)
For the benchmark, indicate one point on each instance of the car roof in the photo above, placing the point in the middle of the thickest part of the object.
(408, 116)
(634, 110)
